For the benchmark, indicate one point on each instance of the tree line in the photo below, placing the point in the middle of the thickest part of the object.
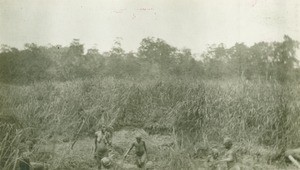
(154, 58)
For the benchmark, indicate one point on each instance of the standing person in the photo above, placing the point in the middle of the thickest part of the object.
(140, 152)
(100, 136)
(230, 155)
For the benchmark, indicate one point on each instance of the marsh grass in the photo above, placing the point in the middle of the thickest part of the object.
(259, 113)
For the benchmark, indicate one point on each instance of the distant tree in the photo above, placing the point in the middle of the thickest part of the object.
(73, 63)
(132, 65)
(25, 66)
(285, 58)
(157, 52)
(240, 60)
(76, 49)
(9, 65)
(5, 48)
(216, 61)
(115, 60)
(186, 65)
(261, 58)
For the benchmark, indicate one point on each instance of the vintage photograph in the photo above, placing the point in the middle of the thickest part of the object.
(149, 84)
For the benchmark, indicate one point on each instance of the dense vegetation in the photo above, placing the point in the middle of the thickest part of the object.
(48, 91)
(154, 58)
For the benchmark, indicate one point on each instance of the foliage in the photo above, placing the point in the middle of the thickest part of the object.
(154, 58)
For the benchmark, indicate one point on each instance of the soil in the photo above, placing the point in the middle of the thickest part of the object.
(159, 149)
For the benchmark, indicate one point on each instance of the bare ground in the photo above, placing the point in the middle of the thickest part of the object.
(160, 148)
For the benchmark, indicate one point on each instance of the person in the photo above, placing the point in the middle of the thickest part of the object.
(101, 136)
(140, 152)
(109, 135)
(213, 160)
(230, 155)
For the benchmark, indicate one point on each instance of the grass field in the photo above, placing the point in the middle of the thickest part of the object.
(261, 117)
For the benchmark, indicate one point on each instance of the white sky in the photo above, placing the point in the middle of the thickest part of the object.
(182, 23)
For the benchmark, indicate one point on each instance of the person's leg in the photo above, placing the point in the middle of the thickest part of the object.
(143, 160)
(138, 161)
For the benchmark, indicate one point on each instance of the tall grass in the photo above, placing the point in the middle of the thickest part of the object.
(260, 112)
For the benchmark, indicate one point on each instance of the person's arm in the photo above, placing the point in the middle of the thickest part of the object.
(145, 149)
(228, 159)
(145, 146)
(129, 150)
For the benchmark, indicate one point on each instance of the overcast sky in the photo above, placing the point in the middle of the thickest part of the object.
(181, 23)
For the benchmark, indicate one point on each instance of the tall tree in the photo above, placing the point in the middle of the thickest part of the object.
(285, 58)
(115, 60)
(216, 60)
(157, 51)
(261, 55)
(240, 59)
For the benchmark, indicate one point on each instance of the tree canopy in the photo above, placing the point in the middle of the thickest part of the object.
(154, 58)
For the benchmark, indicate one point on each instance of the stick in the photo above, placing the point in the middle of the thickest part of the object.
(77, 134)
(16, 159)
(295, 162)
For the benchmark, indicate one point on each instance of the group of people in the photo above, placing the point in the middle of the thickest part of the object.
(103, 143)
(103, 146)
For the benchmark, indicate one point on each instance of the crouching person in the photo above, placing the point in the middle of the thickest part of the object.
(25, 163)
(230, 155)
(212, 160)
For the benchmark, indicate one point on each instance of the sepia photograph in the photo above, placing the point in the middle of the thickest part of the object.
(149, 84)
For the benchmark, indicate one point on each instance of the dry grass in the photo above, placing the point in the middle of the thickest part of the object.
(253, 113)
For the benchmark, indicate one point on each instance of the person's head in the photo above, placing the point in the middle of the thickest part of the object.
(29, 144)
(227, 143)
(103, 128)
(138, 138)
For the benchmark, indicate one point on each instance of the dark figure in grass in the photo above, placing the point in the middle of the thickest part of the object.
(230, 157)
(213, 160)
(140, 152)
